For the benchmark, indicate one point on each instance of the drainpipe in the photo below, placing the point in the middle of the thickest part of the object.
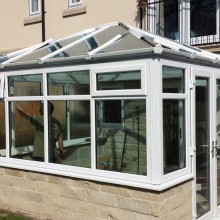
(43, 20)
(142, 9)
(141, 17)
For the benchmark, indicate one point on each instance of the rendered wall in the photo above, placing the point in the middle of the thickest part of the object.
(55, 197)
(19, 30)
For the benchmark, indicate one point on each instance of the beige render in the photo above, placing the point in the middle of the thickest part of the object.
(19, 30)
(63, 198)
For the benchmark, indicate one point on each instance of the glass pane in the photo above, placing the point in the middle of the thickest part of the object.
(202, 18)
(119, 80)
(25, 85)
(27, 130)
(2, 130)
(69, 126)
(174, 135)
(202, 146)
(168, 19)
(35, 6)
(122, 147)
(218, 137)
(173, 80)
(69, 83)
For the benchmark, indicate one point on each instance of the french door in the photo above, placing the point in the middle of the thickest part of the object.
(206, 142)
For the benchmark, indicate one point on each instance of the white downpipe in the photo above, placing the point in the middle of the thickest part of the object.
(88, 55)
(41, 60)
(26, 51)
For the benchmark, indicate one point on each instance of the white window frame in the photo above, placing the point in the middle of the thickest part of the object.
(186, 98)
(73, 4)
(120, 68)
(2, 85)
(32, 13)
(154, 179)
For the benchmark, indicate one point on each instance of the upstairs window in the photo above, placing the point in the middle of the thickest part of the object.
(73, 3)
(34, 7)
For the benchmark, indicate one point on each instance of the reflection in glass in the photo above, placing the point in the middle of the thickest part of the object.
(74, 119)
(167, 19)
(2, 129)
(174, 135)
(202, 18)
(218, 137)
(202, 146)
(122, 147)
(119, 80)
(173, 80)
(27, 130)
(69, 83)
(25, 85)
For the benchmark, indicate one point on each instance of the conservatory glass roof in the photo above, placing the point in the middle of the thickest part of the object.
(104, 41)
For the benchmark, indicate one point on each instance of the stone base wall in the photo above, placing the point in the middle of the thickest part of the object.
(55, 197)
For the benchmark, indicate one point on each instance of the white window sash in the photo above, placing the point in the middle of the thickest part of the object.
(2, 80)
(31, 11)
(73, 3)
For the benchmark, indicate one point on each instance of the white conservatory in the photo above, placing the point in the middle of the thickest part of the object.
(132, 109)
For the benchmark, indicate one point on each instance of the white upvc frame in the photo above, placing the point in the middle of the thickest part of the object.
(37, 12)
(119, 68)
(2, 86)
(81, 172)
(186, 98)
(152, 81)
(73, 4)
(198, 71)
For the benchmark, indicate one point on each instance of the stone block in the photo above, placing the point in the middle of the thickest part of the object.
(178, 200)
(72, 215)
(14, 172)
(116, 190)
(86, 208)
(24, 184)
(110, 213)
(147, 195)
(90, 185)
(159, 209)
(53, 179)
(101, 198)
(35, 176)
(65, 181)
(48, 188)
(73, 192)
(7, 180)
(135, 205)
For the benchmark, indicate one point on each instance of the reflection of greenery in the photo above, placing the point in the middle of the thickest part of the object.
(12, 216)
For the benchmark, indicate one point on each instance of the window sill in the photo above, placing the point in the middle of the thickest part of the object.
(32, 20)
(74, 11)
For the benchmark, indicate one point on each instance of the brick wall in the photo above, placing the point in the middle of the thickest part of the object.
(55, 197)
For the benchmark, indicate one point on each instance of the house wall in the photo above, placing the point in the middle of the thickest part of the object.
(56, 197)
(20, 30)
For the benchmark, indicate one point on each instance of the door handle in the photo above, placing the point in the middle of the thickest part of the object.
(215, 146)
